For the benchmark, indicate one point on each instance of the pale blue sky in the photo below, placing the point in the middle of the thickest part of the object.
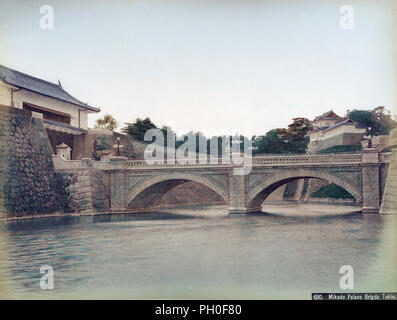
(214, 66)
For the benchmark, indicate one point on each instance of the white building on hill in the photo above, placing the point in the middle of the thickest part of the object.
(330, 130)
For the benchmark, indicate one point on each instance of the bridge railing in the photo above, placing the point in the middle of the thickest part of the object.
(257, 161)
(262, 161)
(178, 163)
(307, 159)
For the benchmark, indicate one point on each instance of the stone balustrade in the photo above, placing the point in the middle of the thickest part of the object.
(308, 159)
(271, 160)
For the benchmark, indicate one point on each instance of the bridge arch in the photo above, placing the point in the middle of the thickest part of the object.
(148, 182)
(264, 187)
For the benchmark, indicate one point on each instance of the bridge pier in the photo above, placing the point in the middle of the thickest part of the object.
(118, 184)
(370, 181)
(237, 195)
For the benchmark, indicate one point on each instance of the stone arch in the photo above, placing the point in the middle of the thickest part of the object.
(262, 189)
(146, 183)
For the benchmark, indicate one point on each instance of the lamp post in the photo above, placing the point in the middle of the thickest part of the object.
(370, 138)
(118, 146)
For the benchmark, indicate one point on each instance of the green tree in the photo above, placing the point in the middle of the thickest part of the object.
(270, 143)
(168, 133)
(379, 122)
(198, 137)
(107, 122)
(294, 139)
(332, 191)
(138, 128)
(365, 119)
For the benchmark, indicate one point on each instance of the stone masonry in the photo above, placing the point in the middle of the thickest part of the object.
(389, 203)
(27, 182)
(86, 189)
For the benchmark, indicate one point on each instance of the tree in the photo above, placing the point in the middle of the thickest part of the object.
(380, 123)
(365, 119)
(107, 122)
(385, 121)
(197, 137)
(295, 137)
(269, 143)
(138, 128)
(291, 140)
(300, 127)
(168, 133)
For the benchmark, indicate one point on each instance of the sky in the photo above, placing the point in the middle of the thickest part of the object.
(219, 67)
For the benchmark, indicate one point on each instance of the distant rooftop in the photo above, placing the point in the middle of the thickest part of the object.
(328, 115)
(30, 83)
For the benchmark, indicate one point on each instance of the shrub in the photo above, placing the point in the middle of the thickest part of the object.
(332, 191)
(340, 149)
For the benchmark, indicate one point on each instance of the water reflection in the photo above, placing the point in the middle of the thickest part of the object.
(177, 255)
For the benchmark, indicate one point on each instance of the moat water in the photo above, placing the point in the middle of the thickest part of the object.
(198, 254)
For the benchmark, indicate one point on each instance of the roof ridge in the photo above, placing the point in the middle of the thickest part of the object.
(8, 75)
(340, 123)
(327, 114)
(33, 77)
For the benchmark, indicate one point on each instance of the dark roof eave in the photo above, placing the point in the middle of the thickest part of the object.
(346, 122)
(64, 125)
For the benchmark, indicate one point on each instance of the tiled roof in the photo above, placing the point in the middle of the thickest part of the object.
(25, 81)
(345, 122)
(328, 115)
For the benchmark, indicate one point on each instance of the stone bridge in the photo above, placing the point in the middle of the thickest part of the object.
(128, 182)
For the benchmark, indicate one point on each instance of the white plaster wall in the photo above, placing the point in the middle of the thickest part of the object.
(51, 103)
(342, 129)
(5, 94)
(321, 135)
(325, 123)
(315, 136)
(83, 119)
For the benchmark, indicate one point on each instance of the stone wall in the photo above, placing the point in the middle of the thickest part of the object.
(301, 190)
(383, 174)
(57, 138)
(277, 195)
(393, 137)
(313, 186)
(83, 191)
(345, 139)
(190, 193)
(175, 193)
(101, 191)
(87, 145)
(27, 181)
(381, 142)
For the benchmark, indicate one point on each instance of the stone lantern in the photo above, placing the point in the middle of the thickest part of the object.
(63, 150)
